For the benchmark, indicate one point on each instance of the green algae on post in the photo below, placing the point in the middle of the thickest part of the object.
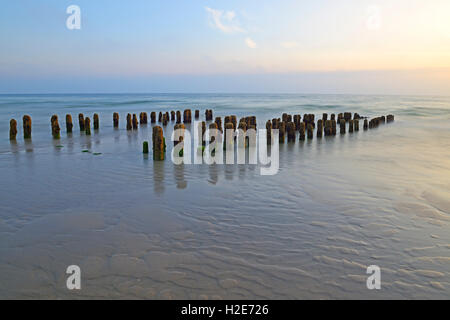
(12, 129)
(26, 127)
(69, 124)
(145, 147)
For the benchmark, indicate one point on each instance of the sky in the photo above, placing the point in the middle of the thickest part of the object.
(322, 46)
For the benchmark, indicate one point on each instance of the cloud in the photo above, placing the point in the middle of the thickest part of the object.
(225, 21)
(250, 43)
(289, 44)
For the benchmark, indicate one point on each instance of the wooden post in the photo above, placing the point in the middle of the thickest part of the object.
(328, 128)
(320, 126)
(269, 131)
(176, 127)
(172, 115)
(390, 118)
(197, 114)
(129, 122)
(350, 125)
(228, 145)
(178, 116)
(366, 124)
(115, 120)
(153, 117)
(69, 124)
(356, 124)
(165, 119)
(96, 122)
(55, 127)
(159, 144)
(310, 131)
(81, 121)
(187, 116)
(12, 129)
(324, 117)
(333, 127)
(87, 126)
(347, 116)
(302, 130)
(135, 122)
(143, 118)
(145, 147)
(26, 127)
(218, 121)
(342, 126)
(290, 128)
(160, 116)
(282, 131)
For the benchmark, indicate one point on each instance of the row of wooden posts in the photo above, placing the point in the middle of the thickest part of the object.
(287, 125)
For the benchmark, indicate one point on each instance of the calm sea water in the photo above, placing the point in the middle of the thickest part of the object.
(144, 229)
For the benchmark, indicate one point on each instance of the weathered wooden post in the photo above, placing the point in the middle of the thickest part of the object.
(320, 126)
(290, 127)
(153, 117)
(115, 120)
(160, 115)
(269, 131)
(333, 127)
(324, 117)
(26, 127)
(228, 144)
(356, 116)
(145, 147)
(282, 131)
(350, 125)
(69, 124)
(342, 126)
(178, 116)
(143, 118)
(203, 133)
(181, 137)
(302, 130)
(310, 131)
(96, 122)
(212, 126)
(390, 118)
(209, 115)
(172, 115)
(356, 124)
(168, 116)
(187, 116)
(159, 143)
(366, 124)
(339, 117)
(328, 128)
(197, 114)
(284, 117)
(347, 116)
(135, 122)
(87, 126)
(81, 121)
(165, 119)
(12, 129)
(218, 121)
(129, 122)
(55, 127)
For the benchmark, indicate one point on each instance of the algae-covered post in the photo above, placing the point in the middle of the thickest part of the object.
(115, 120)
(69, 124)
(81, 121)
(153, 116)
(143, 118)
(87, 126)
(96, 122)
(159, 144)
(55, 127)
(26, 127)
(145, 147)
(12, 129)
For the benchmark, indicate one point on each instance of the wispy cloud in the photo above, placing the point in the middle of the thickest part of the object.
(289, 44)
(225, 21)
(250, 43)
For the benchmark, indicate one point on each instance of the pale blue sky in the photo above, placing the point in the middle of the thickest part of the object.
(323, 46)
